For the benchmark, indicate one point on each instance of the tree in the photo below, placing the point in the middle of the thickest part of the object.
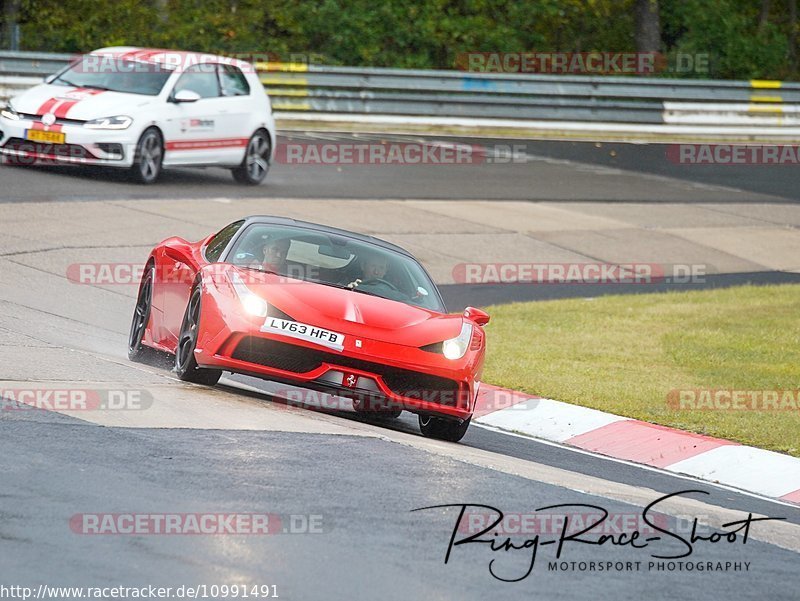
(10, 20)
(763, 16)
(648, 26)
(793, 36)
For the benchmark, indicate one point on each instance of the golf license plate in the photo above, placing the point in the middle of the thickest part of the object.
(50, 137)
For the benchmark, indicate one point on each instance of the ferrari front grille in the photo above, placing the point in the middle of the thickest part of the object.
(297, 359)
(275, 354)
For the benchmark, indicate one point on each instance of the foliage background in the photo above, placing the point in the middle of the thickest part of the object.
(743, 38)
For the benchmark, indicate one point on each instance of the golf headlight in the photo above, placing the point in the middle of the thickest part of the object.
(252, 303)
(456, 347)
(10, 114)
(118, 122)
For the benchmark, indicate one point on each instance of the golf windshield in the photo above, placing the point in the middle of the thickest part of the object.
(100, 72)
(335, 260)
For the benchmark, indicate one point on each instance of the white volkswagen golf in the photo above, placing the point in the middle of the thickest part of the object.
(144, 110)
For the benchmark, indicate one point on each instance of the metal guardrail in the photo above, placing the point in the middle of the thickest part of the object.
(380, 91)
(32, 63)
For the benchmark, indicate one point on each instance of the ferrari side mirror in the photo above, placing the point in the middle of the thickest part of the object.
(476, 315)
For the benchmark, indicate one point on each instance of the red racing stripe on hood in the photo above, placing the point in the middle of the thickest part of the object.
(71, 99)
(47, 106)
(41, 126)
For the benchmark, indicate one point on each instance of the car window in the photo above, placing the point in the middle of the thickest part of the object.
(103, 72)
(308, 252)
(201, 78)
(336, 260)
(233, 81)
(220, 241)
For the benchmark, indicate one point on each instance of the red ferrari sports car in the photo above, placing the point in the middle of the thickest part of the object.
(315, 307)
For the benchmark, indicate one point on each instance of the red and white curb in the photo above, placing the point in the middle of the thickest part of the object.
(712, 459)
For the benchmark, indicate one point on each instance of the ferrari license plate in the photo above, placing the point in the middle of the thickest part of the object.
(51, 137)
(303, 331)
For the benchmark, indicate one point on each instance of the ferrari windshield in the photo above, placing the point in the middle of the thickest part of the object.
(335, 260)
(101, 72)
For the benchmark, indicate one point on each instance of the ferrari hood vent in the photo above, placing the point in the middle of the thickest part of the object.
(436, 347)
(273, 311)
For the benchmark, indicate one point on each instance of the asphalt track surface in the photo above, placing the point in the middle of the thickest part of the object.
(544, 170)
(564, 172)
(237, 449)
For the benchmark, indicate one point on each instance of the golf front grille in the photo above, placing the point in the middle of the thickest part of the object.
(64, 151)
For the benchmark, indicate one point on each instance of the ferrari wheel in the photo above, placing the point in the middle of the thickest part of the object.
(443, 429)
(148, 157)
(185, 365)
(141, 316)
(255, 164)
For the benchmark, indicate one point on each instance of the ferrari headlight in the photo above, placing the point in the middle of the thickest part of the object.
(255, 306)
(117, 122)
(10, 114)
(252, 303)
(456, 347)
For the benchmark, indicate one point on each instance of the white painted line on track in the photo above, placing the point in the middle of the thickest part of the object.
(546, 418)
(746, 467)
(680, 476)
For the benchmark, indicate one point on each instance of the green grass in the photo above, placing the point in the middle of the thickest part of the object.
(624, 354)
